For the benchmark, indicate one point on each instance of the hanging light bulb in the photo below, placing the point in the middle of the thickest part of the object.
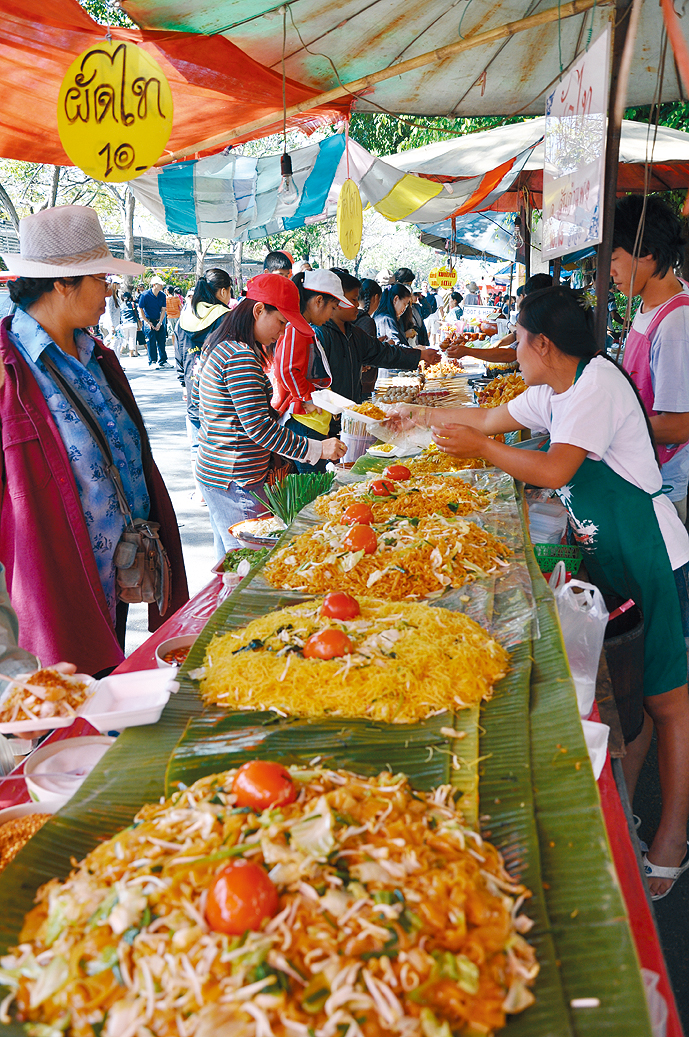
(288, 195)
(517, 241)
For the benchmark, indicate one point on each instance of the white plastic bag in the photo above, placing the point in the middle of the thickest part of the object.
(583, 618)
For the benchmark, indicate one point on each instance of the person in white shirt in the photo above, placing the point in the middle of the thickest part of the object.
(601, 462)
(656, 351)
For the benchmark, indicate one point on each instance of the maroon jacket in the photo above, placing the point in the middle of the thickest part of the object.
(52, 576)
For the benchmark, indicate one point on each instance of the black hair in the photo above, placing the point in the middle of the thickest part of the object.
(305, 294)
(276, 261)
(369, 289)
(663, 236)
(386, 306)
(536, 282)
(349, 282)
(457, 296)
(25, 291)
(126, 296)
(238, 326)
(207, 285)
(403, 275)
(565, 316)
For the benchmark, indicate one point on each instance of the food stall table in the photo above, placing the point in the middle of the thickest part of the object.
(192, 617)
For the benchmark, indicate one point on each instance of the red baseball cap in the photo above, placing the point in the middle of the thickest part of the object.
(281, 293)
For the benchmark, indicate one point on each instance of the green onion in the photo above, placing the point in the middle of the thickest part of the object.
(287, 497)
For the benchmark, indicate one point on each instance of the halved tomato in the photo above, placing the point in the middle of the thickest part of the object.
(382, 487)
(361, 538)
(360, 513)
(340, 605)
(398, 472)
(260, 784)
(240, 898)
(327, 644)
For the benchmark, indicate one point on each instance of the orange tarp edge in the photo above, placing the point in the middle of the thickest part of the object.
(214, 84)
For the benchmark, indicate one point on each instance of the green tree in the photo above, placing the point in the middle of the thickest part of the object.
(107, 12)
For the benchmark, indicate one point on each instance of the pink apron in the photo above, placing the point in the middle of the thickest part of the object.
(637, 363)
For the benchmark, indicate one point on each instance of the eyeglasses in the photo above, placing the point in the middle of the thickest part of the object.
(103, 280)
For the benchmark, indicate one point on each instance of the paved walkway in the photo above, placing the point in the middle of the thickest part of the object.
(159, 396)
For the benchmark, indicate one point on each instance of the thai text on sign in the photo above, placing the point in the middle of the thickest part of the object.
(575, 131)
(114, 111)
(442, 277)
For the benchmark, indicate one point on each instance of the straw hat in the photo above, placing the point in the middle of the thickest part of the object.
(472, 287)
(65, 241)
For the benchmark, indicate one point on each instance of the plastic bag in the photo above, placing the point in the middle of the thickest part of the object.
(583, 618)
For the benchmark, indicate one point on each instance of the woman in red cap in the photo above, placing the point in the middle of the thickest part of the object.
(238, 430)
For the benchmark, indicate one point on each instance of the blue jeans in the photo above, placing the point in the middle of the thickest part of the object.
(155, 344)
(225, 507)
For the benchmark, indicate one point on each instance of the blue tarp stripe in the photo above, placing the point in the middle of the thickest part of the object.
(319, 181)
(176, 190)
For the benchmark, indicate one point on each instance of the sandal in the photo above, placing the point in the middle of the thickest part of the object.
(655, 871)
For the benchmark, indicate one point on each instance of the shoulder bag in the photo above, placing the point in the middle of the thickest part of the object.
(143, 567)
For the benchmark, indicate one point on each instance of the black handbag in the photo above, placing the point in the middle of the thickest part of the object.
(142, 564)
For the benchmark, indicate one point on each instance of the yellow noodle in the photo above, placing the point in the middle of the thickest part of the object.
(409, 661)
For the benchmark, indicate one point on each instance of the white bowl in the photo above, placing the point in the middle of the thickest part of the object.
(182, 641)
(23, 809)
(65, 755)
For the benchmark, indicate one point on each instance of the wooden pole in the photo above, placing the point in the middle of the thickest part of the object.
(502, 32)
(622, 51)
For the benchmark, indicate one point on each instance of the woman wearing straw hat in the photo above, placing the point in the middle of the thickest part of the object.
(59, 520)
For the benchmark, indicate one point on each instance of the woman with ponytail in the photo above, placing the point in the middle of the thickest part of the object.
(602, 463)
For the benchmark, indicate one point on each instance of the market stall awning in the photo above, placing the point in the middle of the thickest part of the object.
(478, 234)
(236, 196)
(329, 44)
(666, 151)
(214, 84)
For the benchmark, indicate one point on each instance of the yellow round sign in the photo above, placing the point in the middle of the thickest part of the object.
(442, 277)
(350, 220)
(114, 111)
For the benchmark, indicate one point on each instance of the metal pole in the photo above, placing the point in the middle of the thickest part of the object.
(623, 47)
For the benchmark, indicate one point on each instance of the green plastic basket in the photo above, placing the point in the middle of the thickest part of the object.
(548, 555)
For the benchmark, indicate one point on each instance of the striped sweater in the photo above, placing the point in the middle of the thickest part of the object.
(237, 431)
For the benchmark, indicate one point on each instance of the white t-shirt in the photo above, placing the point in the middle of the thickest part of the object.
(602, 415)
(670, 380)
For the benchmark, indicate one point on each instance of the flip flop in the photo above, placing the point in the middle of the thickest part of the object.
(655, 871)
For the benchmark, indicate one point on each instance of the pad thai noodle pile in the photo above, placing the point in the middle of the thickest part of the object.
(343, 656)
(371, 911)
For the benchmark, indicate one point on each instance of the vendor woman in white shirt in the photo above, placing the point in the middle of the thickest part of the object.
(602, 463)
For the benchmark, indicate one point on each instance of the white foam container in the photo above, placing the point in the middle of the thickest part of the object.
(48, 758)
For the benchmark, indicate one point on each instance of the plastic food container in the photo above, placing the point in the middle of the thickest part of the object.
(255, 532)
(57, 762)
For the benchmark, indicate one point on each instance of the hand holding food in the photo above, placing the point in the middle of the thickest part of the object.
(333, 449)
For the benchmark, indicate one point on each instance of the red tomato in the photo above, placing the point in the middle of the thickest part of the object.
(340, 605)
(361, 538)
(360, 513)
(327, 644)
(260, 784)
(241, 897)
(382, 487)
(398, 472)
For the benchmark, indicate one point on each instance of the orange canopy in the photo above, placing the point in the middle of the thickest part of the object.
(214, 84)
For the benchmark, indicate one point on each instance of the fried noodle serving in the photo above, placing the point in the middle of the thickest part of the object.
(390, 917)
(407, 662)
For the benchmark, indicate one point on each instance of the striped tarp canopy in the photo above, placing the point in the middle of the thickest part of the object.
(235, 196)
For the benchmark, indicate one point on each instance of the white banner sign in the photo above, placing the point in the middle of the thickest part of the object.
(575, 130)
